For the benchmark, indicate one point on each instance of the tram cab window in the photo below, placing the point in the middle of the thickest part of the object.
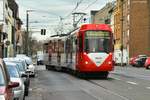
(97, 41)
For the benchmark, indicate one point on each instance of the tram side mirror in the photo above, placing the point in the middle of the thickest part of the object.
(121, 47)
(76, 41)
(114, 41)
(23, 75)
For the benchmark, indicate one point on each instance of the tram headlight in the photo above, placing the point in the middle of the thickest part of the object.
(109, 62)
(86, 62)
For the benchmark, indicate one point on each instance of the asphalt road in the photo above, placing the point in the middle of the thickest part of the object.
(124, 83)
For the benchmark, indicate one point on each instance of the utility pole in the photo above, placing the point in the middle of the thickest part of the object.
(27, 32)
(76, 18)
(14, 31)
(61, 25)
(122, 46)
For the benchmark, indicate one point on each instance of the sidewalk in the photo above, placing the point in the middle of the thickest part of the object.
(130, 71)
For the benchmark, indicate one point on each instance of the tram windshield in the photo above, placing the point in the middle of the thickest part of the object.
(97, 41)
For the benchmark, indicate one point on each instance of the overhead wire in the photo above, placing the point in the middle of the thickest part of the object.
(77, 5)
(90, 5)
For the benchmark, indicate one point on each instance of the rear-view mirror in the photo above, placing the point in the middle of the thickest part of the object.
(23, 75)
(13, 84)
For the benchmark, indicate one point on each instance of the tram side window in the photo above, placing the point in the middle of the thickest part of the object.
(71, 44)
(61, 47)
(55, 47)
(67, 46)
(45, 48)
(74, 44)
(49, 47)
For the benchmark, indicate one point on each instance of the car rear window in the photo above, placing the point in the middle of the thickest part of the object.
(12, 71)
(20, 66)
(2, 80)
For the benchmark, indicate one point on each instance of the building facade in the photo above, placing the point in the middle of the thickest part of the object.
(139, 34)
(9, 27)
(132, 26)
(104, 15)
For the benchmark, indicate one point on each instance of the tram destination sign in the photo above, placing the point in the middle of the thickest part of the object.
(97, 34)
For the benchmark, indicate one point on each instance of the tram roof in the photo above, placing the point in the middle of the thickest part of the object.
(95, 27)
(59, 37)
(74, 30)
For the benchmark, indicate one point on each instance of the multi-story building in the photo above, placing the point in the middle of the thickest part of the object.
(139, 34)
(132, 26)
(5, 27)
(121, 31)
(104, 15)
(19, 36)
(13, 6)
(117, 25)
(9, 27)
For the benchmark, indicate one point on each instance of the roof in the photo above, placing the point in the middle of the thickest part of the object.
(10, 63)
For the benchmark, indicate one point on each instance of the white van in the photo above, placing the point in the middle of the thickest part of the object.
(40, 59)
(118, 57)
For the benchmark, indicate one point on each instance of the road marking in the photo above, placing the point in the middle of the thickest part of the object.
(109, 91)
(30, 89)
(133, 83)
(117, 79)
(148, 87)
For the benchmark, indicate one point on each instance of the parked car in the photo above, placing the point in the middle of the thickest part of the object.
(27, 59)
(22, 71)
(30, 66)
(21, 55)
(147, 63)
(139, 62)
(40, 59)
(6, 86)
(16, 77)
(133, 60)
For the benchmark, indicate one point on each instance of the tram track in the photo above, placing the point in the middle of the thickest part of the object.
(107, 90)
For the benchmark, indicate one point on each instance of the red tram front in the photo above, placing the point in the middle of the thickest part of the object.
(95, 48)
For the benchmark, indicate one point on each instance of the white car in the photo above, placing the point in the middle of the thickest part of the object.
(30, 67)
(31, 70)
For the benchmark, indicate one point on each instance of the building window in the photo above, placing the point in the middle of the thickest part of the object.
(128, 32)
(128, 2)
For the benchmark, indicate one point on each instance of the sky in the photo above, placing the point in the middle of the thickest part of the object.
(47, 13)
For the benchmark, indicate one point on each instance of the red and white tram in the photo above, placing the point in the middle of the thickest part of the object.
(86, 50)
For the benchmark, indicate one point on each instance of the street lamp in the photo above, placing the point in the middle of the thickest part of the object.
(27, 31)
(75, 15)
